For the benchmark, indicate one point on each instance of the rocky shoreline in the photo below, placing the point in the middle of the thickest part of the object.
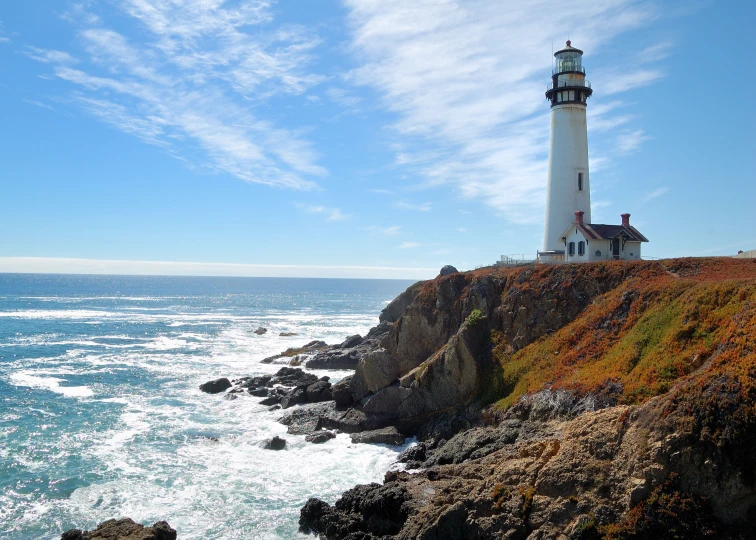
(611, 400)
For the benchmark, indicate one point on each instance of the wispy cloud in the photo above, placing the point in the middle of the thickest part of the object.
(331, 214)
(384, 231)
(4, 39)
(409, 245)
(49, 56)
(629, 142)
(466, 79)
(657, 51)
(622, 82)
(404, 205)
(381, 191)
(656, 193)
(194, 82)
(38, 104)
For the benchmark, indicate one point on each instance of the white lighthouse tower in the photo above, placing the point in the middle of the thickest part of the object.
(569, 184)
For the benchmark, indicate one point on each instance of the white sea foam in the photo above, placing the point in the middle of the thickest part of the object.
(50, 383)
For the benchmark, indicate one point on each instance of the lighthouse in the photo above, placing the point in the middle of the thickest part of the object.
(570, 235)
(569, 182)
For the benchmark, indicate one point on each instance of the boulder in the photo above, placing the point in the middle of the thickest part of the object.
(288, 376)
(387, 401)
(355, 420)
(276, 443)
(260, 331)
(309, 418)
(217, 386)
(388, 435)
(375, 371)
(123, 529)
(295, 396)
(258, 392)
(341, 393)
(351, 341)
(319, 391)
(320, 437)
(287, 334)
(448, 270)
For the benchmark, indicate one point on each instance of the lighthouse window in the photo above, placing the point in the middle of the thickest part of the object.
(581, 248)
(559, 97)
(580, 181)
(572, 95)
(572, 248)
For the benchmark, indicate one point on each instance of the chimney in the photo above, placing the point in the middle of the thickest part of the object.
(625, 220)
(579, 217)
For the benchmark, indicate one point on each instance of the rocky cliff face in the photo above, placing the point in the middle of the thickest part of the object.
(605, 400)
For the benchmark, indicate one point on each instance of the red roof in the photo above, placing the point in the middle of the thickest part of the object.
(596, 231)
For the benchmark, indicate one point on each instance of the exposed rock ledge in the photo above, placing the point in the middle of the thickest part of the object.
(123, 529)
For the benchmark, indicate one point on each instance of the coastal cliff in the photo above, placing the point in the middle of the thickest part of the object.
(606, 400)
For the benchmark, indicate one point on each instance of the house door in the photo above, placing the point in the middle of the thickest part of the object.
(616, 248)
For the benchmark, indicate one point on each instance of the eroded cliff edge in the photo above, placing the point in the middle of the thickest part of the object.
(574, 401)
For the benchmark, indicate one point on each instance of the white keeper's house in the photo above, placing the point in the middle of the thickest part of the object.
(570, 236)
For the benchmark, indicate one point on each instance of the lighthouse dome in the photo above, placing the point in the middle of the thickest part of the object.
(569, 59)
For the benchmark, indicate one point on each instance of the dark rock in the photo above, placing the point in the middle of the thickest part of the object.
(389, 435)
(320, 437)
(260, 331)
(293, 397)
(276, 443)
(355, 420)
(217, 386)
(123, 529)
(335, 359)
(474, 444)
(309, 418)
(287, 334)
(259, 392)
(414, 456)
(351, 341)
(341, 392)
(274, 408)
(272, 399)
(230, 396)
(364, 512)
(319, 391)
(448, 270)
(288, 376)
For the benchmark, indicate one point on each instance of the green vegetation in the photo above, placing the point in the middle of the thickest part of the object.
(643, 335)
(475, 317)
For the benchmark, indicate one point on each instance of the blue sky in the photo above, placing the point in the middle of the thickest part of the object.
(359, 138)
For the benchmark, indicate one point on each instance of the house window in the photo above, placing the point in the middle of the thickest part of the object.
(581, 248)
(572, 248)
(580, 181)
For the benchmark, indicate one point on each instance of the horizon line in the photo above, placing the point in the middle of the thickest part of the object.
(124, 267)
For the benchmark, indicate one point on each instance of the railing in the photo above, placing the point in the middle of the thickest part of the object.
(573, 83)
(514, 260)
(567, 69)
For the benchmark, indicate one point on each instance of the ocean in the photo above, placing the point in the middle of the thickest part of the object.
(101, 416)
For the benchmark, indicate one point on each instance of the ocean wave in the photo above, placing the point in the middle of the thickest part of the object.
(50, 383)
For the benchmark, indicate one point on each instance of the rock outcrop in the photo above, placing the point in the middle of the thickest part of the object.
(217, 386)
(123, 529)
(624, 398)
